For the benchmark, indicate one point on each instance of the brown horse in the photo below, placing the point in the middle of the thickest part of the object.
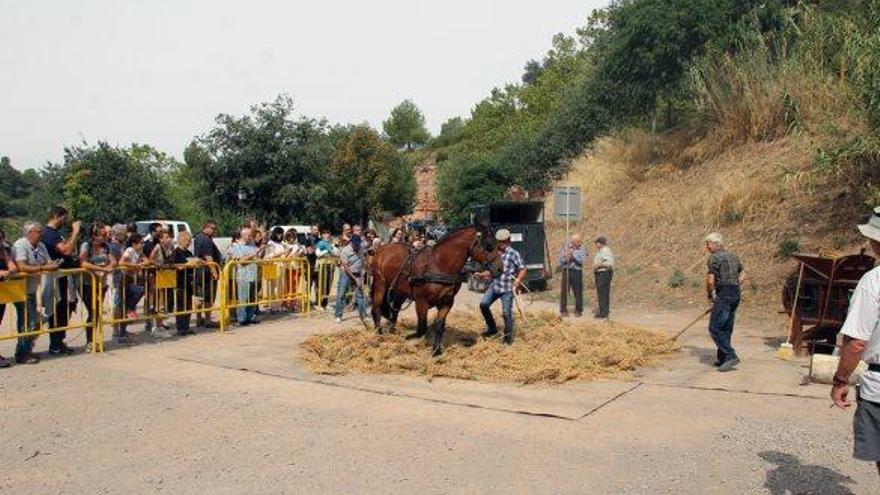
(429, 276)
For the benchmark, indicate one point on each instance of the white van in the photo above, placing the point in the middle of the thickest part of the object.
(173, 226)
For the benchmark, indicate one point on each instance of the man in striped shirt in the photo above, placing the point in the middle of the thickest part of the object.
(512, 274)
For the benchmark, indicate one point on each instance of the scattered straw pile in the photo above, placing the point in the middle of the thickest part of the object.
(546, 350)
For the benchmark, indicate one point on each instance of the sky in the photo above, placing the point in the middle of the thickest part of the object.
(159, 72)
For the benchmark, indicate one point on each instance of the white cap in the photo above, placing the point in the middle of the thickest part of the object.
(871, 229)
(502, 235)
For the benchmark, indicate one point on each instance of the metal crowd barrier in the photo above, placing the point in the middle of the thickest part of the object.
(269, 283)
(84, 300)
(327, 274)
(63, 300)
(152, 294)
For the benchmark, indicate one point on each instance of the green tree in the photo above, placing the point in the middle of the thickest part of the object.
(405, 127)
(451, 132)
(276, 162)
(113, 184)
(373, 177)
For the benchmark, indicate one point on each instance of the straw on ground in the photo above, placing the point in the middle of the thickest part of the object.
(547, 349)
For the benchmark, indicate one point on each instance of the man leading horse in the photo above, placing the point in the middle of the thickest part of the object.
(513, 272)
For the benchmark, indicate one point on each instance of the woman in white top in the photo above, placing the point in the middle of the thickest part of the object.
(292, 275)
(275, 249)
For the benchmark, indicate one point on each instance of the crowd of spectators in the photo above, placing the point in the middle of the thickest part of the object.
(116, 259)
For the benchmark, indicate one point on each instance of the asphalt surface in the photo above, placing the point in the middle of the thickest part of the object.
(235, 413)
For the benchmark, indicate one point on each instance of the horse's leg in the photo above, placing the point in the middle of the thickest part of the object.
(378, 299)
(440, 329)
(422, 314)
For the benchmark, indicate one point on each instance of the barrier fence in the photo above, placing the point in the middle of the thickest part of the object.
(154, 294)
(48, 303)
(278, 283)
(79, 299)
(328, 273)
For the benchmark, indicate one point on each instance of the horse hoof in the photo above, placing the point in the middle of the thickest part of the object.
(413, 336)
(437, 353)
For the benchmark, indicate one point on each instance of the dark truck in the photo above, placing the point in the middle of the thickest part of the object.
(525, 221)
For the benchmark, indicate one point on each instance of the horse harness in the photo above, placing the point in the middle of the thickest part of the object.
(429, 277)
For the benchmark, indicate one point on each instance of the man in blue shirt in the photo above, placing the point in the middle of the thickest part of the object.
(513, 272)
(246, 277)
(571, 262)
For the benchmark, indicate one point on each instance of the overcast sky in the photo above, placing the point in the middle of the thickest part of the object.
(159, 71)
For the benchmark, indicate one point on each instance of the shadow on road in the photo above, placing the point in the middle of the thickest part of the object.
(706, 356)
(790, 476)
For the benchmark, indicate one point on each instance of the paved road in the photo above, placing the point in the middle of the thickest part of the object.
(235, 413)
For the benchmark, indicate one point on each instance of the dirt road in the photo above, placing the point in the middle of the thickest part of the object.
(235, 413)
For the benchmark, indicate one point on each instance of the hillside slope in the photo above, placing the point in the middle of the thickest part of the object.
(656, 211)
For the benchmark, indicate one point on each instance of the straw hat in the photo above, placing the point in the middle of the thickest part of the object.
(502, 235)
(871, 229)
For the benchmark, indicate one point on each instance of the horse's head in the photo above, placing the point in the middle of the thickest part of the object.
(483, 250)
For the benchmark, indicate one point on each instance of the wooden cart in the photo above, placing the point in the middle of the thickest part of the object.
(816, 296)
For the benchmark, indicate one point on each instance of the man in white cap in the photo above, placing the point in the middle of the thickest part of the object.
(513, 272)
(861, 340)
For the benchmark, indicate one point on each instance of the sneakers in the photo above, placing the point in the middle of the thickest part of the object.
(4, 363)
(62, 350)
(90, 348)
(338, 320)
(729, 365)
(27, 359)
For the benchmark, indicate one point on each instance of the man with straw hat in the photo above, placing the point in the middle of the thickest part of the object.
(861, 341)
(513, 272)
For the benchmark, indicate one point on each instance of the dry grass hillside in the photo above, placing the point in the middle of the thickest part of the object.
(656, 197)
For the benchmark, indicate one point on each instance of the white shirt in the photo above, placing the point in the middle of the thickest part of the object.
(275, 250)
(604, 258)
(861, 323)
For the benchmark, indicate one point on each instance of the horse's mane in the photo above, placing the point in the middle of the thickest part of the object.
(454, 233)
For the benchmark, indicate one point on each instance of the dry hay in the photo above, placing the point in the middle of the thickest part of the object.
(546, 350)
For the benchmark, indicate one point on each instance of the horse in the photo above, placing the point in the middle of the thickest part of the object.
(430, 276)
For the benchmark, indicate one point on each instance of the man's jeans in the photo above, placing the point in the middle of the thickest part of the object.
(346, 282)
(26, 344)
(247, 293)
(722, 318)
(603, 292)
(56, 306)
(486, 303)
(573, 279)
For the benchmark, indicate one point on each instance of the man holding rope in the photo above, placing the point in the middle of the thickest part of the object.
(513, 273)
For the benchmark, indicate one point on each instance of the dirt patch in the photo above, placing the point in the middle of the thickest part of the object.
(547, 349)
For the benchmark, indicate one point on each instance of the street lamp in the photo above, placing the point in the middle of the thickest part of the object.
(242, 196)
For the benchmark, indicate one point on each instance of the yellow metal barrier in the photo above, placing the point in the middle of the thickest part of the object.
(152, 294)
(48, 303)
(328, 276)
(267, 283)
